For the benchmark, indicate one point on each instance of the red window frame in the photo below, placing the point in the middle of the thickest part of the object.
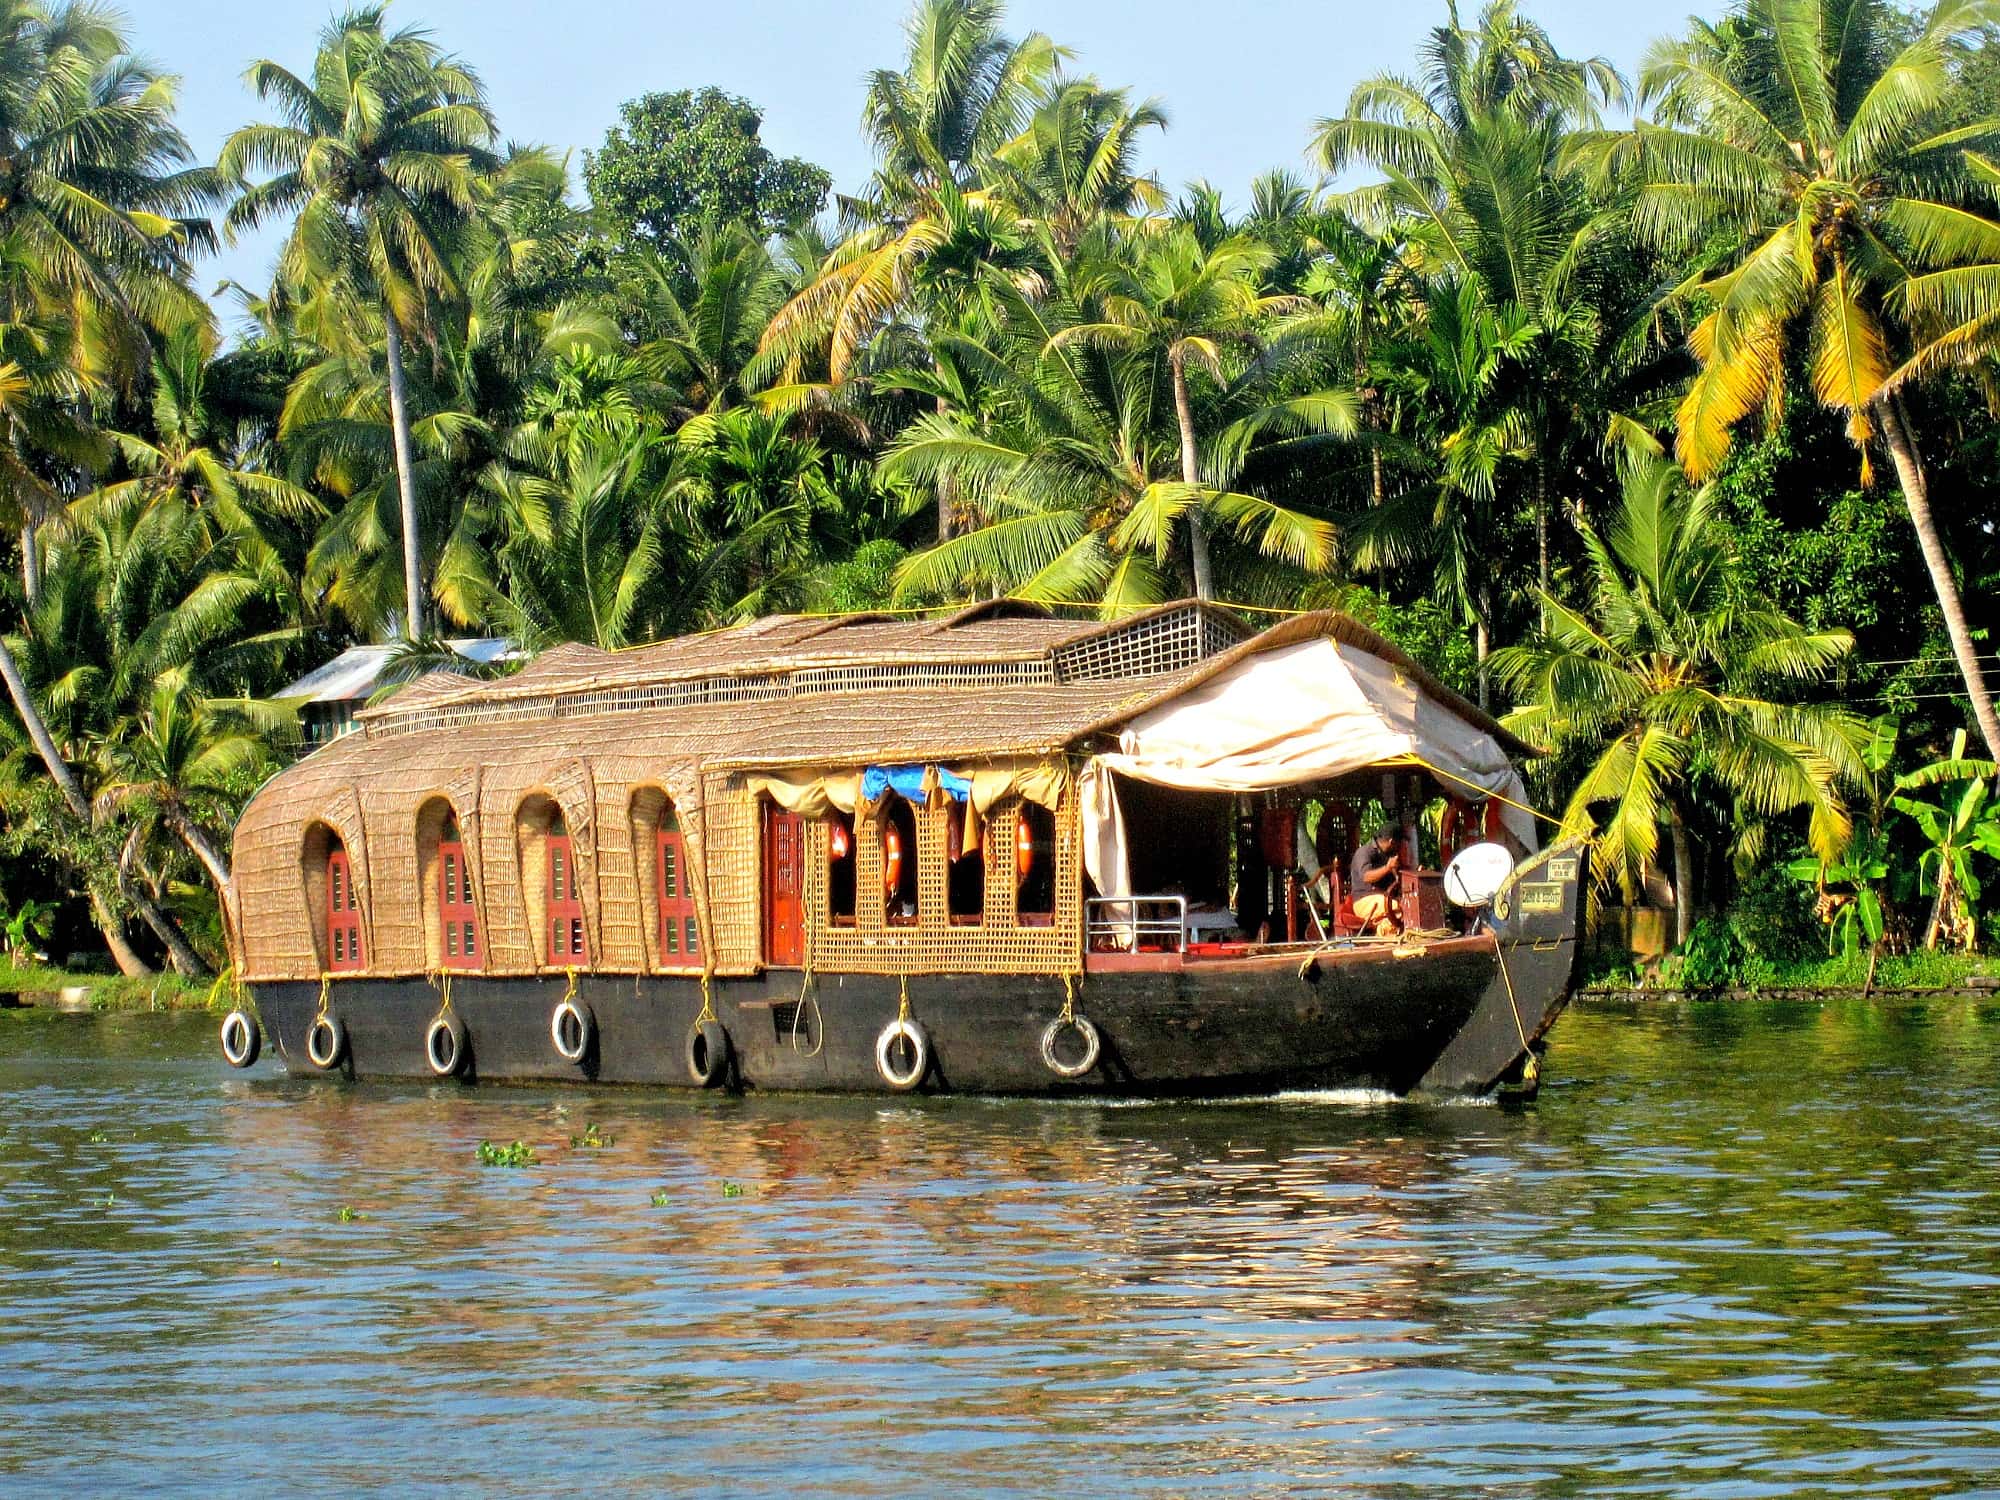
(456, 914)
(343, 915)
(565, 907)
(678, 934)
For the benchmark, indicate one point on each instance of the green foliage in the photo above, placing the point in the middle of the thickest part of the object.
(1713, 957)
(680, 160)
(1960, 827)
(518, 1154)
(27, 926)
(1438, 399)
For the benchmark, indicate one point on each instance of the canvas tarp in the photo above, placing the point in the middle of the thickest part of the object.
(1302, 713)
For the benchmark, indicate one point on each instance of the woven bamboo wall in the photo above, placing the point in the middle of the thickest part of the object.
(388, 803)
(935, 945)
(733, 869)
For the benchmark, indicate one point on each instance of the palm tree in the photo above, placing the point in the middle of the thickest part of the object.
(187, 760)
(1655, 681)
(97, 184)
(188, 458)
(377, 160)
(1057, 439)
(1855, 214)
(965, 90)
(1075, 163)
(1473, 154)
(760, 511)
(699, 327)
(99, 205)
(583, 555)
(1174, 298)
(1448, 372)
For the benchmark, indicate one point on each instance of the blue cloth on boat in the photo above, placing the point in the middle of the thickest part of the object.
(908, 782)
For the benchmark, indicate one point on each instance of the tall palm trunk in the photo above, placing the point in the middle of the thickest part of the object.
(38, 732)
(187, 963)
(1683, 875)
(1542, 536)
(198, 844)
(31, 563)
(1482, 641)
(112, 927)
(1204, 587)
(406, 485)
(1916, 495)
(947, 490)
(72, 795)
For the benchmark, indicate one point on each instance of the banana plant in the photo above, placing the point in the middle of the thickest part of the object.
(1864, 865)
(1850, 920)
(1962, 823)
(25, 928)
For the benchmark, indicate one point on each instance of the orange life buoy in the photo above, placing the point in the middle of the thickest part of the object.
(1466, 822)
(892, 858)
(1024, 849)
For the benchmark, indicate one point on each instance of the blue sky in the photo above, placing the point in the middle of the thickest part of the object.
(1243, 80)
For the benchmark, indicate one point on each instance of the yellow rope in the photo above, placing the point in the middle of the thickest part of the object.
(1500, 797)
(441, 980)
(325, 994)
(903, 1005)
(1068, 1016)
(809, 994)
(570, 993)
(707, 1003)
(1500, 952)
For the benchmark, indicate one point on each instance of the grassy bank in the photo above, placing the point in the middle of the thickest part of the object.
(1754, 975)
(39, 983)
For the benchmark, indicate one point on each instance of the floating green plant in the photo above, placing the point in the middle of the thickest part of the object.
(661, 1199)
(732, 1190)
(519, 1154)
(348, 1215)
(592, 1137)
(98, 1137)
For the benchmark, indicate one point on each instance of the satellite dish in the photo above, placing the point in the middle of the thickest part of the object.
(1476, 873)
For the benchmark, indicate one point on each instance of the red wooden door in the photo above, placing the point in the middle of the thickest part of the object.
(343, 914)
(455, 911)
(680, 937)
(565, 907)
(784, 887)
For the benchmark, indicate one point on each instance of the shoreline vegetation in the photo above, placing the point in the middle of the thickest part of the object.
(1649, 402)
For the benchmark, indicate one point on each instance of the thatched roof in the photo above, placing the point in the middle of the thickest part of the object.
(997, 678)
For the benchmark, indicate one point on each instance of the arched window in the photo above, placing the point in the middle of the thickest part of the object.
(680, 936)
(840, 868)
(455, 910)
(565, 906)
(343, 913)
(899, 862)
(1035, 866)
(965, 869)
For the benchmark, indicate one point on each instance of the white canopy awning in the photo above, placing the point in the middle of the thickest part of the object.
(1300, 713)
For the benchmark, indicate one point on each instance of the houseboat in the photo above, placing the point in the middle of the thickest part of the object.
(997, 852)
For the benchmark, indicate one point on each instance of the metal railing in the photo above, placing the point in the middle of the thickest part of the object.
(1132, 923)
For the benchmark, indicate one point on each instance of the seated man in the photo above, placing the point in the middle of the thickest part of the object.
(1373, 877)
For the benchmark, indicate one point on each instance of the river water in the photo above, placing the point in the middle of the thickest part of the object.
(1732, 1250)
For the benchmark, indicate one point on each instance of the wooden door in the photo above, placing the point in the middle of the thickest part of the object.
(784, 887)
(343, 914)
(679, 935)
(455, 908)
(565, 906)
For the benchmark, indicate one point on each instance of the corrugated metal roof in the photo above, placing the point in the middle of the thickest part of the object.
(357, 672)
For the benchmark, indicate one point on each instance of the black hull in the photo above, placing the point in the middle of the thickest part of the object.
(1366, 1018)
